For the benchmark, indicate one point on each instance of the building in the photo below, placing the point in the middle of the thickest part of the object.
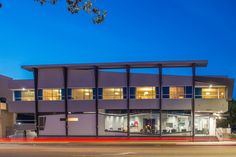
(7, 119)
(112, 99)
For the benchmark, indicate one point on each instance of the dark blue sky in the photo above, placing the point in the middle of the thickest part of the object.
(134, 30)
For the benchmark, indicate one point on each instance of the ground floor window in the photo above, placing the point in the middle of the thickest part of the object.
(176, 123)
(205, 125)
(112, 122)
(144, 123)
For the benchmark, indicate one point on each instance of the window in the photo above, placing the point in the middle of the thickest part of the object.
(42, 122)
(213, 92)
(112, 93)
(177, 92)
(24, 95)
(82, 94)
(52, 94)
(145, 92)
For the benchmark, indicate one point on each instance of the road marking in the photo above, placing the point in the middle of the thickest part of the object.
(110, 154)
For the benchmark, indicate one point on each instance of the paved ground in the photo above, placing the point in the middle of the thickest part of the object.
(52, 150)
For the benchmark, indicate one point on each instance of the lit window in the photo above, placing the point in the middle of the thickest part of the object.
(213, 92)
(145, 92)
(24, 95)
(82, 94)
(112, 93)
(27, 95)
(177, 92)
(52, 94)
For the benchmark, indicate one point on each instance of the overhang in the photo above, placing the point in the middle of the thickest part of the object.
(121, 65)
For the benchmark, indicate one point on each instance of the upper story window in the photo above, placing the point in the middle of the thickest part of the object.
(210, 92)
(50, 94)
(177, 92)
(146, 92)
(24, 95)
(81, 94)
(111, 93)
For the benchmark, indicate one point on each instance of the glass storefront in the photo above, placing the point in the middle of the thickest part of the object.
(112, 122)
(176, 123)
(144, 123)
(205, 125)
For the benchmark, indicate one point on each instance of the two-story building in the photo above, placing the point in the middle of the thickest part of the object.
(111, 99)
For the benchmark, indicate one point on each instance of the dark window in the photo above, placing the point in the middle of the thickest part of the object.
(99, 93)
(166, 92)
(157, 92)
(188, 92)
(17, 95)
(42, 122)
(198, 92)
(132, 92)
(124, 93)
(40, 94)
(94, 93)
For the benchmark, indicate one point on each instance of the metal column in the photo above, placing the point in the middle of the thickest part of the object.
(36, 100)
(193, 98)
(96, 71)
(128, 98)
(160, 96)
(65, 73)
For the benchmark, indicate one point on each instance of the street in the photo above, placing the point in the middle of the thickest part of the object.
(32, 150)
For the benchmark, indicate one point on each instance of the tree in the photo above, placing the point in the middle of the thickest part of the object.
(75, 6)
(232, 113)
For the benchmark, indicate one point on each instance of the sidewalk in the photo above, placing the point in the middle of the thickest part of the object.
(122, 141)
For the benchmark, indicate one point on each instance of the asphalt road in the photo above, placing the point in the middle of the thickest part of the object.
(19, 150)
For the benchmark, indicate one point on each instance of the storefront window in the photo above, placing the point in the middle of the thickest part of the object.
(112, 93)
(145, 92)
(144, 123)
(82, 94)
(52, 94)
(176, 123)
(112, 122)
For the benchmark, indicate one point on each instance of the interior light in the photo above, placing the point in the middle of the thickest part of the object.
(210, 86)
(208, 93)
(145, 93)
(86, 94)
(116, 93)
(73, 119)
(23, 89)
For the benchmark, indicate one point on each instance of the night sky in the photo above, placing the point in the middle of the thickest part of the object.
(134, 30)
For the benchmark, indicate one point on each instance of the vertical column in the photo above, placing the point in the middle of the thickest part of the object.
(65, 73)
(128, 98)
(96, 71)
(193, 99)
(160, 96)
(36, 100)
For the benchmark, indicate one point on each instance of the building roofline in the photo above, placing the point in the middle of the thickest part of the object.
(121, 65)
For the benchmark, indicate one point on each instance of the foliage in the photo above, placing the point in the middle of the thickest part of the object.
(231, 119)
(75, 6)
(232, 113)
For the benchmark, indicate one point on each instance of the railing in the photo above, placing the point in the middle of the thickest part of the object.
(219, 134)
